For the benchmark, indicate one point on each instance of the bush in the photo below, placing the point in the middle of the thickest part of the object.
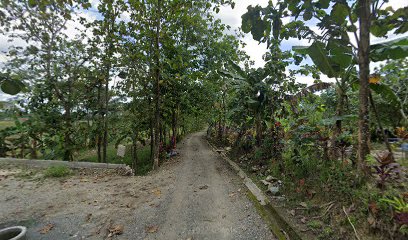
(57, 171)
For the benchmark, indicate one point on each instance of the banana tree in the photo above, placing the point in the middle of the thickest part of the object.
(336, 61)
(251, 94)
(335, 19)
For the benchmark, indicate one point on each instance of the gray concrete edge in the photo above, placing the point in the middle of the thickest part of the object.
(49, 163)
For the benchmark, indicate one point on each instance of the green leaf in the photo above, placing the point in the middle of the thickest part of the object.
(307, 15)
(32, 3)
(324, 4)
(301, 49)
(394, 49)
(339, 13)
(341, 53)
(238, 69)
(386, 93)
(10, 87)
(252, 22)
(378, 30)
(319, 56)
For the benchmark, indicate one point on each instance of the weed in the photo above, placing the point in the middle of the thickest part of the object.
(327, 233)
(57, 171)
(315, 224)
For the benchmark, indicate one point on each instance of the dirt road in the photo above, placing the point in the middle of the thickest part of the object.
(195, 196)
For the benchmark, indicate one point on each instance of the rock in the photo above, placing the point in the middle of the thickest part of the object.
(279, 198)
(243, 158)
(269, 178)
(255, 169)
(274, 190)
(125, 171)
(265, 182)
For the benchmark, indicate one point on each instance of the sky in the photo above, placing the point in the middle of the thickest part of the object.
(231, 17)
(255, 50)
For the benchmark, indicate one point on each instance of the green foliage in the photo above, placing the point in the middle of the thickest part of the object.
(315, 224)
(389, 50)
(398, 203)
(57, 171)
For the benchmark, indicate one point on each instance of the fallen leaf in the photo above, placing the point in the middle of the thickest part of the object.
(88, 217)
(152, 229)
(46, 228)
(157, 192)
(292, 212)
(203, 187)
(232, 194)
(116, 230)
(371, 220)
(373, 208)
(303, 219)
(303, 204)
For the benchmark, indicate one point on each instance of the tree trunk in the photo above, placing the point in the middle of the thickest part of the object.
(33, 149)
(134, 151)
(105, 120)
(157, 88)
(174, 130)
(99, 121)
(258, 129)
(67, 134)
(151, 132)
(364, 71)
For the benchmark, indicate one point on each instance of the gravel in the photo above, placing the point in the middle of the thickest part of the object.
(192, 196)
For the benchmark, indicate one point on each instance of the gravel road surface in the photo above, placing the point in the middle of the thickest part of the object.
(193, 196)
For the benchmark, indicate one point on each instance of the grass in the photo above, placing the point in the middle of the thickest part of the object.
(57, 171)
(5, 124)
(143, 167)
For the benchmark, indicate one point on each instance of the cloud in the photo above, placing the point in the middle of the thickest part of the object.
(255, 51)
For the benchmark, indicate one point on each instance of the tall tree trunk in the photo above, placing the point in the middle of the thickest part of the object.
(108, 66)
(105, 120)
(151, 131)
(157, 88)
(68, 124)
(99, 123)
(134, 150)
(174, 129)
(67, 134)
(364, 71)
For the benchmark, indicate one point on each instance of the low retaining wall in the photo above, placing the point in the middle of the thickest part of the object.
(48, 163)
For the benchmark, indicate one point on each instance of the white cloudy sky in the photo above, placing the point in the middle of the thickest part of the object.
(228, 16)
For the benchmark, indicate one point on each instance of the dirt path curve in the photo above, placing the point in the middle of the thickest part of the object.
(193, 196)
(208, 202)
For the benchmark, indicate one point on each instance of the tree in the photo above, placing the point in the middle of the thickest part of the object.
(41, 25)
(335, 25)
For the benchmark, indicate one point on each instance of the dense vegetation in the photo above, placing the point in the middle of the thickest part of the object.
(144, 73)
(137, 78)
(318, 145)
